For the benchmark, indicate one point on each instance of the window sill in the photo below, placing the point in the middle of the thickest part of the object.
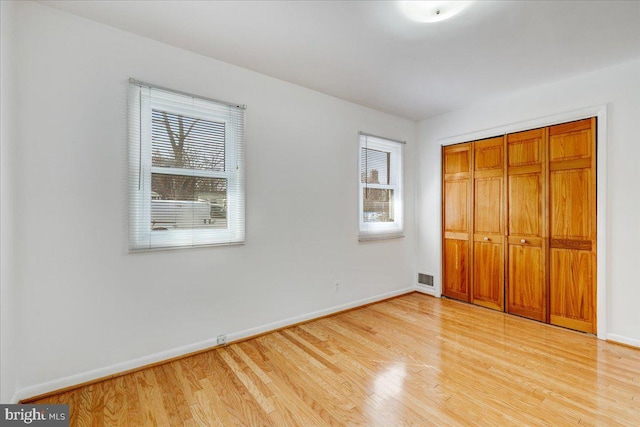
(173, 248)
(374, 237)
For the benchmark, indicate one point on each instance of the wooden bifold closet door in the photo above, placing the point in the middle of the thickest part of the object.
(572, 218)
(526, 260)
(456, 184)
(488, 224)
(519, 223)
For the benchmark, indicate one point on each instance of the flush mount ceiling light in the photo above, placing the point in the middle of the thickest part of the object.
(432, 11)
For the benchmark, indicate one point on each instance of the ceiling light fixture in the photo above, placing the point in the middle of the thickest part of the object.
(432, 11)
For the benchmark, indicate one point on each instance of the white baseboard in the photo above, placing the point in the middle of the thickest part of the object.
(426, 290)
(117, 368)
(315, 315)
(623, 340)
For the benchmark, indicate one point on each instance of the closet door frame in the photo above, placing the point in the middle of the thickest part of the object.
(600, 113)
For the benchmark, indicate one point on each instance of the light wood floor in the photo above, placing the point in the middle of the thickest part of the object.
(412, 360)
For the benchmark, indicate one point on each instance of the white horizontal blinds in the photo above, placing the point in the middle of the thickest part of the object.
(184, 142)
(187, 167)
(380, 198)
(376, 164)
(137, 209)
(235, 165)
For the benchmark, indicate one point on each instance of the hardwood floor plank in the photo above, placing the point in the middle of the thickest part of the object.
(411, 360)
(263, 399)
(153, 410)
(83, 398)
(173, 397)
(118, 408)
(133, 402)
(325, 399)
(251, 364)
(110, 404)
(234, 395)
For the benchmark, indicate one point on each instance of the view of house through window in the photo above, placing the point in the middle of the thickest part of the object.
(187, 201)
(378, 202)
(380, 187)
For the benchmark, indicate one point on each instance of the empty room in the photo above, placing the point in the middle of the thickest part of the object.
(310, 213)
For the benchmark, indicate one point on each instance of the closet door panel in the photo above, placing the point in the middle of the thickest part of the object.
(573, 304)
(526, 281)
(525, 148)
(525, 209)
(487, 205)
(571, 203)
(526, 293)
(488, 287)
(456, 206)
(488, 154)
(456, 273)
(488, 224)
(570, 141)
(572, 218)
(456, 223)
(456, 159)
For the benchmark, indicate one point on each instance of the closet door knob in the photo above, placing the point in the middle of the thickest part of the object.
(486, 239)
(523, 241)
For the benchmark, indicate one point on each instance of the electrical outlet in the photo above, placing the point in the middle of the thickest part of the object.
(222, 339)
(337, 288)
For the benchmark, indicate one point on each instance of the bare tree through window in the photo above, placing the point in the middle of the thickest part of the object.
(187, 143)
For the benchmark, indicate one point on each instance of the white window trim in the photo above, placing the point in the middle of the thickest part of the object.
(382, 230)
(141, 237)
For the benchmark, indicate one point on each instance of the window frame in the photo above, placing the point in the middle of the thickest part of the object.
(382, 230)
(141, 236)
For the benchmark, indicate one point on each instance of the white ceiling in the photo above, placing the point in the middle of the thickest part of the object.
(367, 52)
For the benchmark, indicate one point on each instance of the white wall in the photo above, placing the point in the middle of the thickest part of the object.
(7, 282)
(617, 87)
(86, 307)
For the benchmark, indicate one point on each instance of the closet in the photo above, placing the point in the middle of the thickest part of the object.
(519, 223)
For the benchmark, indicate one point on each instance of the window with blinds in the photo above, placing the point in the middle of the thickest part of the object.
(186, 167)
(380, 195)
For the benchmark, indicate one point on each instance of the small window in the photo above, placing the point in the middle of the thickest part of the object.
(380, 195)
(186, 167)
